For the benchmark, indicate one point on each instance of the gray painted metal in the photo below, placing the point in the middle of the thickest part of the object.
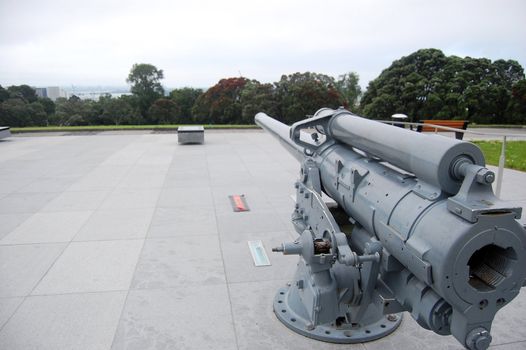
(429, 157)
(191, 134)
(4, 132)
(416, 233)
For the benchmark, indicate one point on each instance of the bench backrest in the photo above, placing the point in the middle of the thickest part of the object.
(457, 124)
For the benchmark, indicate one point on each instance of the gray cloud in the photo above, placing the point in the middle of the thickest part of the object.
(196, 43)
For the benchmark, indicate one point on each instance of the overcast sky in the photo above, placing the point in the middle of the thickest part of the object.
(196, 43)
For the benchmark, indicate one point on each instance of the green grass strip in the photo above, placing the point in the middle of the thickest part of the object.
(515, 153)
(123, 127)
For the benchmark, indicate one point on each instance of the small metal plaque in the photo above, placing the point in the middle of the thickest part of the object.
(258, 253)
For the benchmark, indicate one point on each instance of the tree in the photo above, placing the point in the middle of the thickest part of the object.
(349, 89)
(429, 85)
(4, 94)
(516, 110)
(23, 92)
(48, 104)
(302, 94)
(164, 111)
(15, 112)
(118, 111)
(255, 98)
(221, 103)
(145, 85)
(38, 114)
(185, 98)
(74, 111)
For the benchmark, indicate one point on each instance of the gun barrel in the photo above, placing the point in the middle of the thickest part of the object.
(281, 132)
(431, 158)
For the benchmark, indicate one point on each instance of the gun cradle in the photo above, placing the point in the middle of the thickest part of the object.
(442, 247)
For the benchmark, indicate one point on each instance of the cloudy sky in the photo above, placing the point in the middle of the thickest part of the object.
(196, 43)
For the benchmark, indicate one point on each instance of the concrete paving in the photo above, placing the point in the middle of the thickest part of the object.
(126, 240)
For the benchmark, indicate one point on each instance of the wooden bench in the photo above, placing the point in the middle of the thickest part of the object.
(457, 124)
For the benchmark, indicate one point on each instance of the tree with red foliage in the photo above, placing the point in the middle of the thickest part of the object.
(221, 104)
(301, 94)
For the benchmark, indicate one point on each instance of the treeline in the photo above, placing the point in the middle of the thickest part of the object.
(424, 85)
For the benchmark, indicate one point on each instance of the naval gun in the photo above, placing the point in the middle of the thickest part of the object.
(413, 226)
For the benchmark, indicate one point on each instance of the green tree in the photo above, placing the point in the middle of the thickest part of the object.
(118, 111)
(4, 94)
(24, 92)
(15, 112)
(74, 111)
(516, 111)
(429, 85)
(38, 114)
(164, 111)
(221, 103)
(302, 94)
(145, 85)
(185, 99)
(349, 88)
(255, 98)
(48, 104)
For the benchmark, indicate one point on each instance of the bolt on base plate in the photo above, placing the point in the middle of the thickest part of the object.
(385, 324)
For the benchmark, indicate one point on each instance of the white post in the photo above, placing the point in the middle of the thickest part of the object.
(502, 161)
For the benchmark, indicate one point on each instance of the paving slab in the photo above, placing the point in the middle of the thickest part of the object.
(191, 178)
(162, 235)
(257, 327)
(48, 228)
(131, 199)
(74, 321)
(76, 201)
(179, 318)
(239, 264)
(189, 261)
(92, 267)
(8, 222)
(255, 197)
(195, 197)
(25, 202)
(240, 224)
(141, 177)
(183, 221)
(22, 266)
(8, 307)
(116, 224)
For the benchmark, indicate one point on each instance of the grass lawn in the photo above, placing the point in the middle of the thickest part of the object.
(124, 127)
(515, 153)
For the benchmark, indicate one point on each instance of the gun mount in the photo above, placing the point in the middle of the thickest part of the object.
(417, 228)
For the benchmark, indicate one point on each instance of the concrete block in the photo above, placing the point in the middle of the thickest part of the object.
(5, 132)
(190, 134)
